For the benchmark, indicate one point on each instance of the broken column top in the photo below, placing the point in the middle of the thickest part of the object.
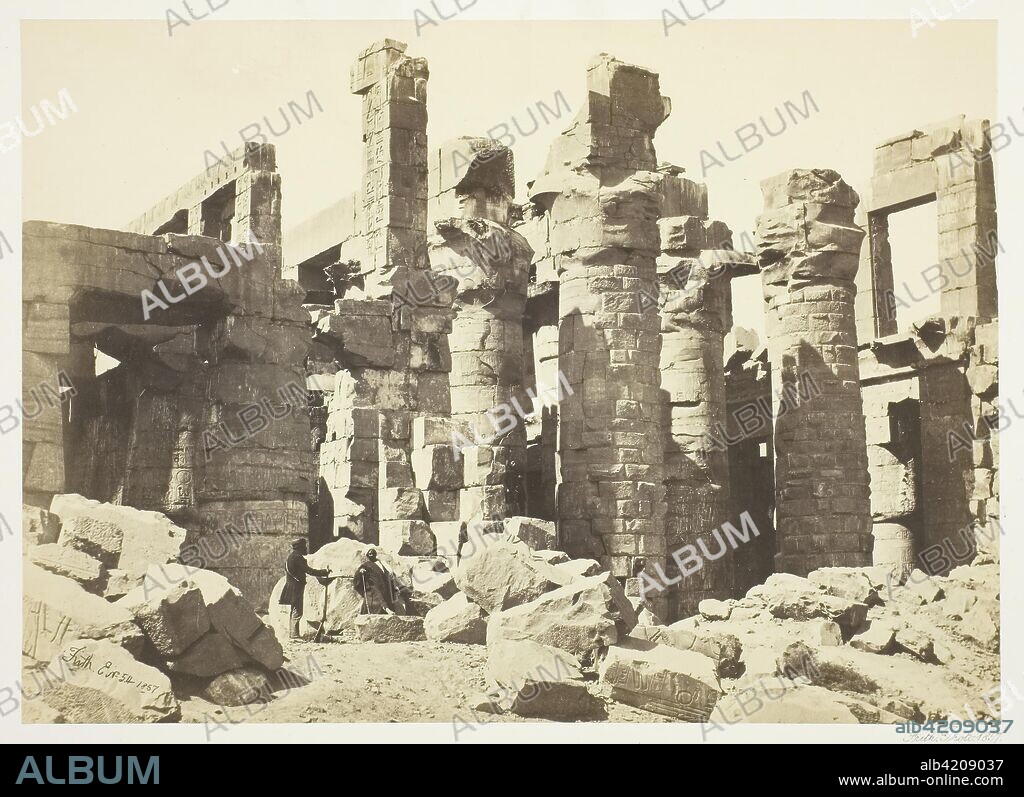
(614, 131)
(373, 62)
(470, 162)
(820, 186)
(634, 94)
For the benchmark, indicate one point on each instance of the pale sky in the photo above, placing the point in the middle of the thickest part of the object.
(149, 105)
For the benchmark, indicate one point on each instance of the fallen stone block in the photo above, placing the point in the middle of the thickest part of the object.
(838, 676)
(581, 618)
(173, 620)
(442, 584)
(539, 535)
(58, 610)
(420, 603)
(551, 557)
(879, 637)
(119, 583)
(39, 527)
(456, 620)
(70, 563)
(229, 612)
(677, 683)
(852, 583)
(724, 649)
(540, 681)
(407, 537)
(502, 575)
(981, 624)
(212, 655)
(383, 628)
(240, 687)
(711, 609)
(106, 684)
(790, 597)
(916, 643)
(576, 569)
(121, 537)
(959, 602)
(926, 587)
(784, 701)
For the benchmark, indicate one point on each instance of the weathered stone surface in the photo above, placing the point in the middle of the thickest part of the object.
(782, 702)
(879, 637)
(916, 643)
(407, 538)
(442, 584)
(238, 688)
(502, 574)
(384, 628)
(419, 603)
(39, 527)
(58, 611)
(539, 681)
(852, 583)
(106, 684)
(665, 680)
(540, 535)
(456, 620)
(552, 557)
(70, 563)
(173, 619)
(576, 569)
(119, 583)
(982, 624)
(724, 649)
(924, 586)
(580, 618)
(712, 609)
(834, 674)
(119, 536)
(794, 598)
(229, 612)
(209, 657)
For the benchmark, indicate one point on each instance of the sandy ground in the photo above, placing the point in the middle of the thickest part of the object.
(352, 681)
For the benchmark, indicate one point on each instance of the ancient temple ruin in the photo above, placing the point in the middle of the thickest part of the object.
(430, 357)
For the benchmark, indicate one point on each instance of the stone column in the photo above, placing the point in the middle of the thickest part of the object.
(394, 352)
(602, 192)
(472, 189)
(808, 248)
(694, 273)
(394, 198)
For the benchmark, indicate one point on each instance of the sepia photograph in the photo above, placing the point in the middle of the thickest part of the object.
(496, 373)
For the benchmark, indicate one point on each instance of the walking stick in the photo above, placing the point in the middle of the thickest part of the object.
(321, 632)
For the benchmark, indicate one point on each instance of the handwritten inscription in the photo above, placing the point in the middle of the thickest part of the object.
(77, 659)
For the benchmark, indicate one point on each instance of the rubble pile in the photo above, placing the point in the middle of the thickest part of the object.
(99, 654)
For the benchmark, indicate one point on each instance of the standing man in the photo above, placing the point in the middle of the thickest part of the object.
(296, 570)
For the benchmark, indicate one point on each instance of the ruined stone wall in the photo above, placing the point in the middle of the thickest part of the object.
(204, 419)
(983, 377)
(947, 163)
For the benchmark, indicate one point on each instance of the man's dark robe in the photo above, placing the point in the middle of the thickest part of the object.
(379, 588)
(296, 570)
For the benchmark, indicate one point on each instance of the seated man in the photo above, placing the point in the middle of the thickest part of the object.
(382, 593)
